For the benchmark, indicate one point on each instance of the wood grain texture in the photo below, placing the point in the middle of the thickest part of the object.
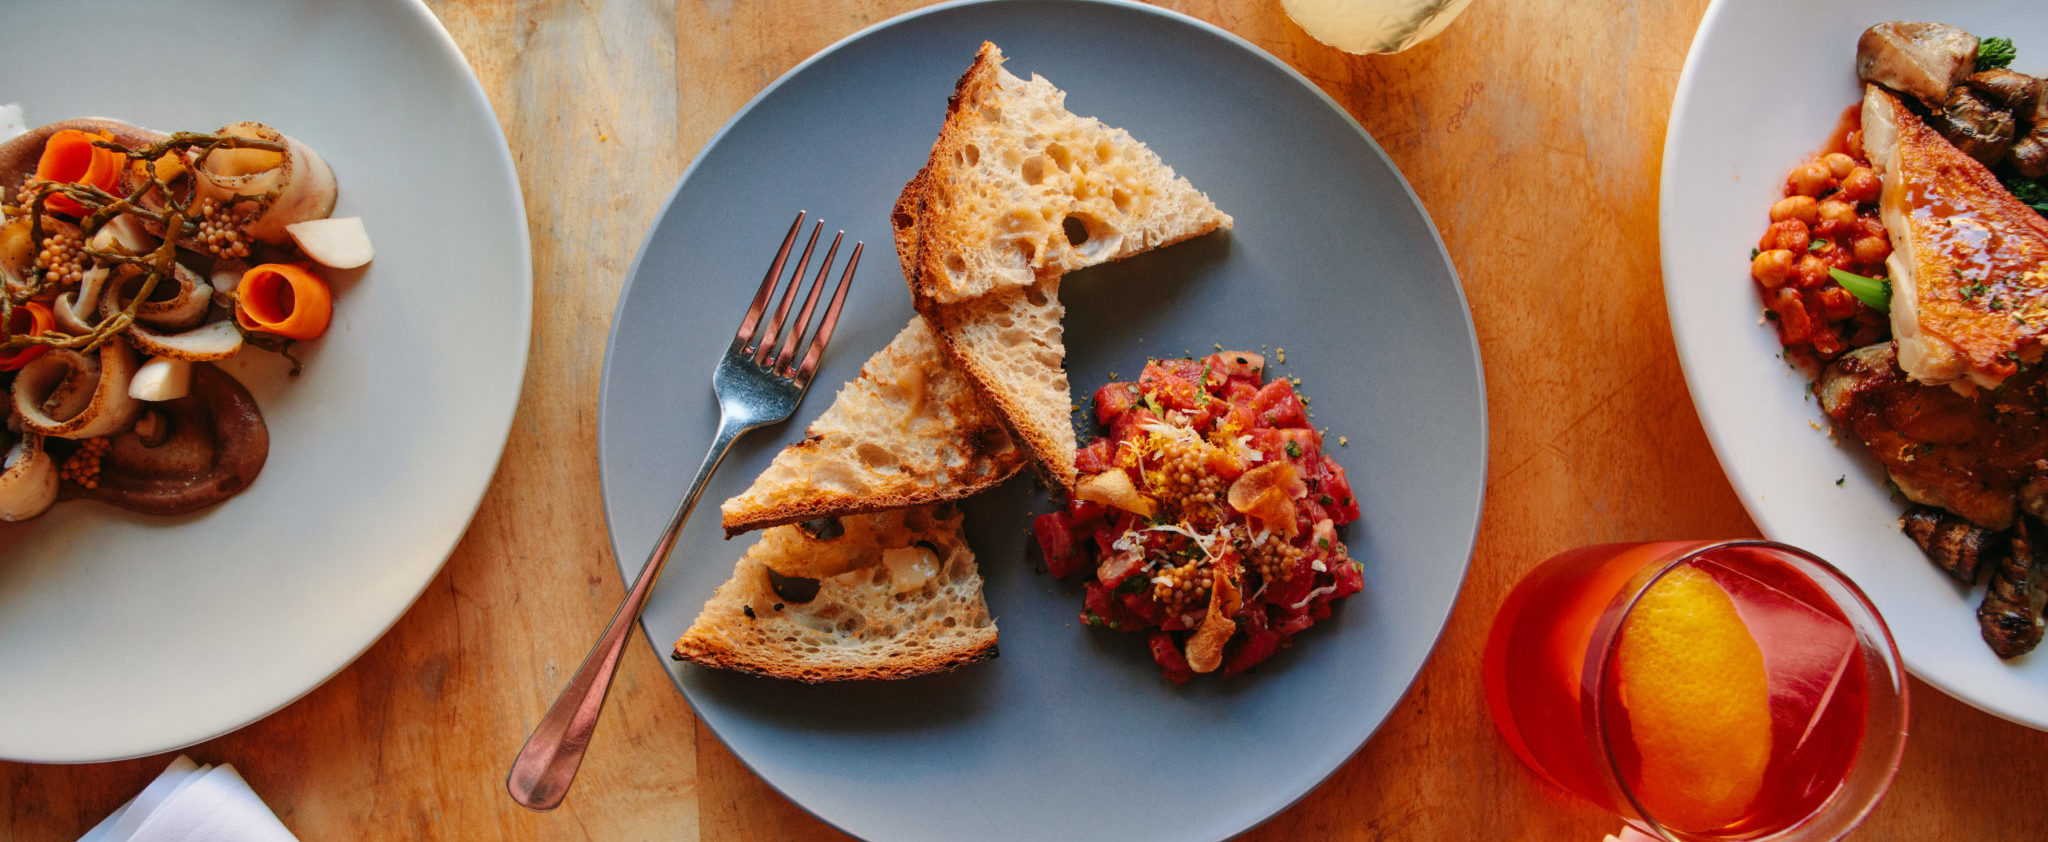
(1532, 131)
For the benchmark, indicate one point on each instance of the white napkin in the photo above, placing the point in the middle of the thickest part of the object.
(192, 803)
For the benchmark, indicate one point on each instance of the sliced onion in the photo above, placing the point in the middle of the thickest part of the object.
(304, 183)
(71, 395)
(28, 479)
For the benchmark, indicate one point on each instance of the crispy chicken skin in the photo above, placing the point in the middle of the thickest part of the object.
(1969, 263)
(1969, 455)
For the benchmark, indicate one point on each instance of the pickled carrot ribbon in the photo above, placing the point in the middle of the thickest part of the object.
(285, 299)
(69, 157)
(39, 320)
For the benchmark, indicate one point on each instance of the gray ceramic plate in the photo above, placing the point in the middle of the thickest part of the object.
(1071, 734)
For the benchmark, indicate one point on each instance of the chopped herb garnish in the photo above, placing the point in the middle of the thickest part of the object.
(1754, 251)
(1293, 450)
(1841, 479)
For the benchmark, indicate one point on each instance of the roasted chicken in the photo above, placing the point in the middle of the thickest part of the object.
(1969, 455)
(1969, 263)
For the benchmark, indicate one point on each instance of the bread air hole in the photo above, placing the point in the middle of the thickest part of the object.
(1119, 197)
(1093, 239)
(1076, 231)
(876, 457)
(970, 155)
(1033, 170)
(1060, 156)
(1026, 250)
(956, 266)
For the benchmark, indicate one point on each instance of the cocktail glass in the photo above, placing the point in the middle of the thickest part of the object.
(1626, 674)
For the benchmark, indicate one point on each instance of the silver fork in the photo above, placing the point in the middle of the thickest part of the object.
(757, 384)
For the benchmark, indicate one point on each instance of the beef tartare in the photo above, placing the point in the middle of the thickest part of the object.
(1208, 514)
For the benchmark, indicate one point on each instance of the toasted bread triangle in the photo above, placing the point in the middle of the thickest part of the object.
(1009, 345)
(910, 430)
(897, 594)
(1969, 263)
(1023, 190)
(1017, 192)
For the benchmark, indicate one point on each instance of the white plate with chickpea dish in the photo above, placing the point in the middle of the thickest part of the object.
(1775, 274)
(136, 618)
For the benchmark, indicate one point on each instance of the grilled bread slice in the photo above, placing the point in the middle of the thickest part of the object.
(1023, 189)
(909, 430)
(884, 595)
(1969, 263)
(1009, 345)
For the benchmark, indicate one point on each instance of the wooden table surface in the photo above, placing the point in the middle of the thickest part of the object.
(1532, 130)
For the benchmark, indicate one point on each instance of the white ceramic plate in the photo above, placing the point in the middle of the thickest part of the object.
(1764, 85)
(124, 635)
(1071, 734)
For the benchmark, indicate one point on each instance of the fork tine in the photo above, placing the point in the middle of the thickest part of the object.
(824, 335)
(746, 331)
(803, 317)
(773, 327)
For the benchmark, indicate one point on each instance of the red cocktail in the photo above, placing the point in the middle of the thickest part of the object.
(1701, 690)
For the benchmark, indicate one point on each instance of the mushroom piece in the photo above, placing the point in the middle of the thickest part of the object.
(72, 308)
(187, 454)
(1975, 124)
(2013, 91)
(1957, 546)
(1921, 60)
(177, 303)
(28, 479)
(304, 184)
(216, 340)
(71, 395)
(2029, 154)
(2007, 618)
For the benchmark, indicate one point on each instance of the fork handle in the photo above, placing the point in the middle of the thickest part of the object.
(547, 764)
